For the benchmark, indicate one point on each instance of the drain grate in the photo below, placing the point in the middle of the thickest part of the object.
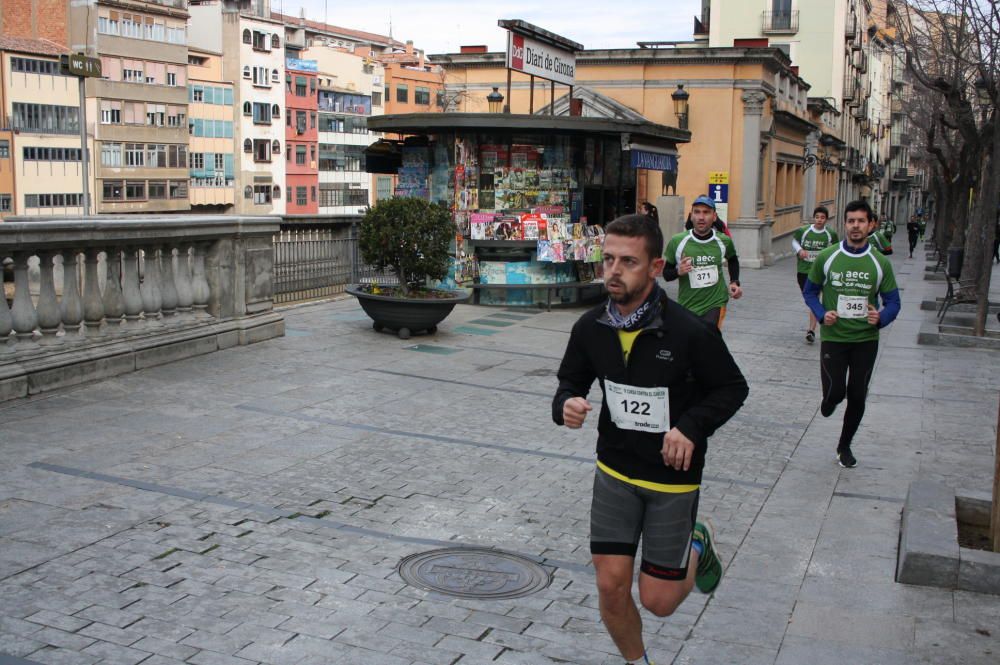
(474, 572)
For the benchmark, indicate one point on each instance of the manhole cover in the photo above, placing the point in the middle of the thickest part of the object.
(469, 572)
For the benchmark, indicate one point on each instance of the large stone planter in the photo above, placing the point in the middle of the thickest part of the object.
(406, 316)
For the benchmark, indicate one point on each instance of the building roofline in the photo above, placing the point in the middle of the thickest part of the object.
(31, 46)
(360, 35)
(769, 56)
(433, 123)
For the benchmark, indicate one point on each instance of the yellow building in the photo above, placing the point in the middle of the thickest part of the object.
(43, 152)
(211, 148)
(747, 112)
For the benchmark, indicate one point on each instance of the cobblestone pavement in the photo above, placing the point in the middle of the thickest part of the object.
(251, 506)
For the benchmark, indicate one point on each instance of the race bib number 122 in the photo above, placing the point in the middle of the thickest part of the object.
(638, 409)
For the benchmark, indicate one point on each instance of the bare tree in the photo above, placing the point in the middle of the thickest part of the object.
(951, 48)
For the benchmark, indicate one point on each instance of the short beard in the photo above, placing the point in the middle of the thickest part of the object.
(625, 296)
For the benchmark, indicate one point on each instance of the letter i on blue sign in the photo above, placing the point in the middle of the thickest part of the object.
(719, 193)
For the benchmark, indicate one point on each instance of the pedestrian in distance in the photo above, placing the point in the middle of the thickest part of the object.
(996, 240)
(808, 241)
(843, 290)
(696, 257)
(912, 233)
(648, 209)
(669, 383)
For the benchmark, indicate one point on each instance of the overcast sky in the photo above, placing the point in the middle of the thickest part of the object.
(442, 26)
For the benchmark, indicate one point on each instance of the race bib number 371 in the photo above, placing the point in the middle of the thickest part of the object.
(701, 278)
(638, 409)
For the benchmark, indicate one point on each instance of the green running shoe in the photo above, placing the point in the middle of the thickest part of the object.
(709, 572)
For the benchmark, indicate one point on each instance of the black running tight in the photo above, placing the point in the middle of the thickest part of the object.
(845, 369)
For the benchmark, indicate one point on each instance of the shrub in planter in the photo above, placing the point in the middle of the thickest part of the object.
(410, 237)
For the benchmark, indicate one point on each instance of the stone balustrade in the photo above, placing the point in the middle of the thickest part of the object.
(96, 297)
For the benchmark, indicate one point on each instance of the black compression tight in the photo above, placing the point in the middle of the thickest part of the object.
(845, 370)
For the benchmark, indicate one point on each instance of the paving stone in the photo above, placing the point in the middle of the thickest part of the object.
(56, 620)
(58, 656)
(165, 648)
(60, 638)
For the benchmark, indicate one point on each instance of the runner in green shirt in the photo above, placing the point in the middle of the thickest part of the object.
(807, 242)
(696, 258)
(843, 291)
(878, 239)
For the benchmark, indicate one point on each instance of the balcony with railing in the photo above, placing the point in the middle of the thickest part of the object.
(852, 87)
(700, 27)
(851, 27)
(781, 22)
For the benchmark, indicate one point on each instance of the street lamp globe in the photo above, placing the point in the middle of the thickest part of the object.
(681, 97)
(495, 100)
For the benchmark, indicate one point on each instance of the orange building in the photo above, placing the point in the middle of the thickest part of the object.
(412, 85)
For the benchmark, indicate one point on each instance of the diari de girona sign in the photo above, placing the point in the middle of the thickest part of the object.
(536, 58)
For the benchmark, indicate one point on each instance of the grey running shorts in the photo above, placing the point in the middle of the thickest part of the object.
(621, 512)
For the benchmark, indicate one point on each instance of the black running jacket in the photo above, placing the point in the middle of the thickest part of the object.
(679, 351)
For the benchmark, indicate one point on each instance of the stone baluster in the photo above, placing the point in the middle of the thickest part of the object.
(47, 309)
(114, 300)
(25, 319)
(71, 307)
(150, 287)
(182, 280)
(93, 309)
(6, 320)
(169, 286)
(130, 289)
(199, 283)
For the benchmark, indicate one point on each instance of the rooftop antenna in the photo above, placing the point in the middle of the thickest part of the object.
(390, 25)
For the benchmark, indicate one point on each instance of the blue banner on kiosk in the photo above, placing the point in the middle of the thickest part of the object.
(653, 161)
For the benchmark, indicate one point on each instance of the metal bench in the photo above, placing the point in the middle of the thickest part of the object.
(959, 292)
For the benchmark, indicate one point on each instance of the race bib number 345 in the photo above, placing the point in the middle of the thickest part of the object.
(638, 409)
(852, 307)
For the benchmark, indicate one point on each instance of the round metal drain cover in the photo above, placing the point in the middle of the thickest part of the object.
(473, 572)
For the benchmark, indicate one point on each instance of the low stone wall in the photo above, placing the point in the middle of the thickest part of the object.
(118, 294)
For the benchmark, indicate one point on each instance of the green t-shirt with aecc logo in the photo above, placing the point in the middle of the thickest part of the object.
(705, 287)
(879, 241)
(812, 240)
(848, 284)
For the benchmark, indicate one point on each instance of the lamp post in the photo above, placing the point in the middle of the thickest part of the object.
(681, 97)
(495, 100)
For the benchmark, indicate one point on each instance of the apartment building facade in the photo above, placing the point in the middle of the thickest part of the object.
(346, 83)
(252, 45)
(41, 158)
(212, 149)
(137, 112)
(301, 137)
(842, 47)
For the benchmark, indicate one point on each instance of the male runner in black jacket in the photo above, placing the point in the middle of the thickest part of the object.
(669, 382)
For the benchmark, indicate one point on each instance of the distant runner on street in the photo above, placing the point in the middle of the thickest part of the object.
(669, 382)
(912, 233)
(843, 291)
(696, 257)
(877, 238)
(807, 242)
